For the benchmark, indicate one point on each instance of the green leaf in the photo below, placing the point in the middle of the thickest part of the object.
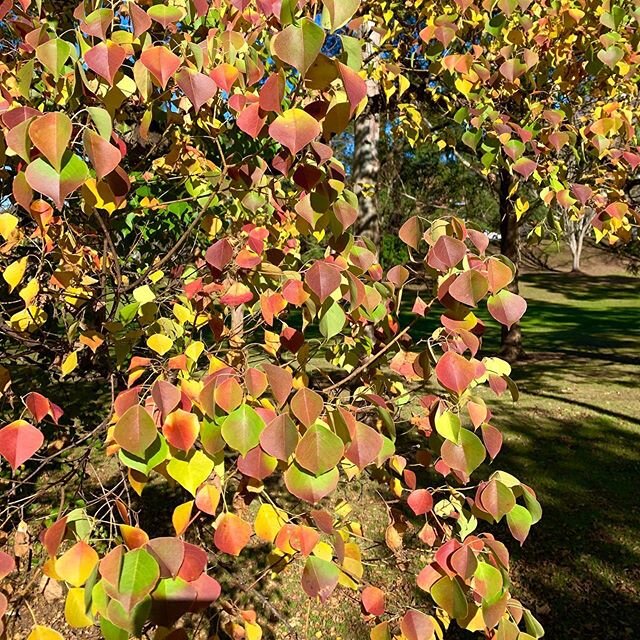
(448, 594)
(519, 521)
(242, 428)
(54, 54)
(448, 425)
(154, 455)
(135, 431)
(333, 320)
(138, 576)
(319, 578)
(308, 487)
(337, 13)
(191, 473)
(319, 450)
(299, 46)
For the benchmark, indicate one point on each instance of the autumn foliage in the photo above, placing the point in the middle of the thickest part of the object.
(179, 228)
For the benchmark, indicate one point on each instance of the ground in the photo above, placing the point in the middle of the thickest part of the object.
(574, 436)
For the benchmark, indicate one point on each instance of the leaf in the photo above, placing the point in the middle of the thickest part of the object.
(161, 63)
(135, 431)
(332, 320)
(232, 534)
(446, 253)
(138, 577)
(280, 381)
(225, 76)
(241, 430)
(415, 625)
(319, 578)
(104, 156)
(448, 425)
(366, 444)
(19, 441)
(40, 632)
(448, 594)
(280, 438)
(420, 501)
(159, 343)
(69, 363)
(340, 11)
(166, 396)
(75, 610)
(294, 129)
(198, 87)
(466, 456)
(506, 307)
(299, 46)
(411, 232)
(105, 59)
(469, 287)
(14, 273)
(42, 177)
(228, 394)
(76, 565)
(373, 600)
(181, 518)
(191, 473)
(455, 372)
(519, 521)
(307, 405)
(323, 279)
(208, 498)
(319, 450)
(181, 429)
(496, 499)
(53, 54)
(165, 15)
(51, 134)
(308, 487)
(268, 522)
(354, 85)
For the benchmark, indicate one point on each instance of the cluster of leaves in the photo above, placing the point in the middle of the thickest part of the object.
(260, 355)
(547, 91)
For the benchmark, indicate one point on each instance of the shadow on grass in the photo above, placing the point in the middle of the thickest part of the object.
(580, 567)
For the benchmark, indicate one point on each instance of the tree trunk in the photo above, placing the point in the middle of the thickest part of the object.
(511, 343)
(366, 165)
(577, 254)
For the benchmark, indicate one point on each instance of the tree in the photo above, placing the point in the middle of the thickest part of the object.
(179, 234)
(532, 85)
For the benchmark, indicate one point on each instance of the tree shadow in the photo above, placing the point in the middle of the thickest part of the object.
(580, 567)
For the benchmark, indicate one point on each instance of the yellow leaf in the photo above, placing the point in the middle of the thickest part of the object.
(194, 350)
(252, 631)
(212, 225)
(70, 363)
(323, 550)
(28, 319)
(74, 609)
(182, 313)
(144, 294)
(156, 276)
(76, 565)
(29, 291)
(181, 517)
(8, 223)
(14, 272)
(268, 523)
(44, 633)
(159, 343)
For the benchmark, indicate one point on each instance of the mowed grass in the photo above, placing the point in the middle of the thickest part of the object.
(574, 435)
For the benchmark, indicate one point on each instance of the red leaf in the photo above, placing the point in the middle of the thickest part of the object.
(506, 307)
(103, 155)
(105, 59)
(455, 372)
(415, 625)
(19, 441)
(272, 93)
(232, 534)
(354, 85)
(225, 76)
(250, 121)
(420, 501)
(411, 232)
(446, 253)
(39, 407)
(373, 600)
(323, 279)
(198, 87)
(161, 63)
(469, 287)
(280, 380)
(307, 406)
